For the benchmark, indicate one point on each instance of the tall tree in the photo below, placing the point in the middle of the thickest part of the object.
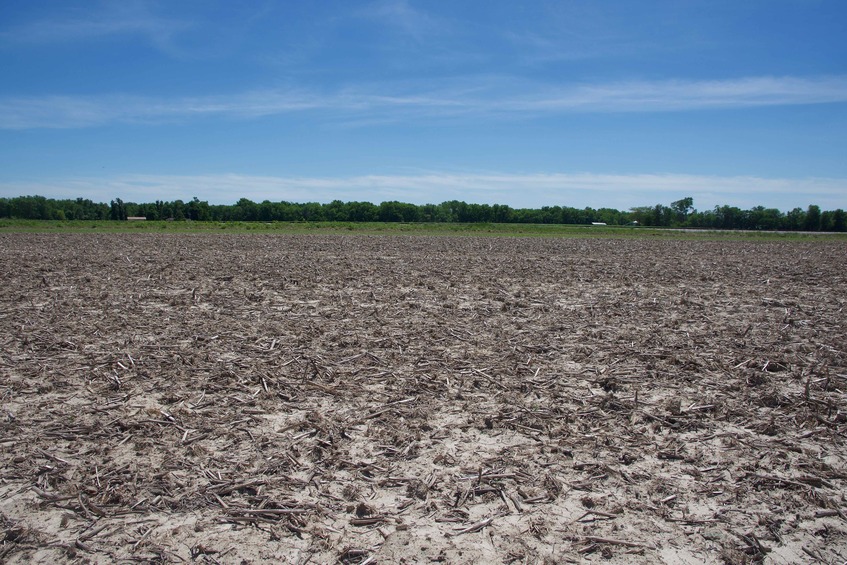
(682, 208)
(118, 210)
(813, 218)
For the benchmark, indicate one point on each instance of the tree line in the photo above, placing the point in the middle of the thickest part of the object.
(678, 214)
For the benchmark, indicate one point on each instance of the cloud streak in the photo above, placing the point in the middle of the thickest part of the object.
(118, 19)
(678, 95)
(489, 98)
(399, 15)
(621, 191)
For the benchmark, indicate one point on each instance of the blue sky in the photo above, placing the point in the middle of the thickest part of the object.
(575, 103)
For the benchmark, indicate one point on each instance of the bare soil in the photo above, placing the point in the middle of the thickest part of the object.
(355, 399)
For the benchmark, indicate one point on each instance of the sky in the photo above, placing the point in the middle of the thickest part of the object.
(600, 103)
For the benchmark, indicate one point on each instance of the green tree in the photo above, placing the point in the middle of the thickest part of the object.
(729, 217)
(198, 210)
(501, 213)
(337, 211)
(812, 221)
(118, 210)
(247, 210)
(662, 216)
(839, 220)
(266, 211)
(641, 214)
(312, 212)
(761, 218)
(681, 209)
(394, 211)
(794, 219)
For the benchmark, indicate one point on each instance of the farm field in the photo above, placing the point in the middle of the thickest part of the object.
(410, 228)
(246, 398)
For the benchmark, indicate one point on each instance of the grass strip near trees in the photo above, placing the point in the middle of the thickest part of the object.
(400, 228)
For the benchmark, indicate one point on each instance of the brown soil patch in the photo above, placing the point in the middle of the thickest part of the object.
(174, 398)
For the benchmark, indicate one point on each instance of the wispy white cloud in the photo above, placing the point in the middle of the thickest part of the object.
(62, 112)
(79, 29)
(621, 191)
(490, 98)
(676, 95)
(131, 18)
(401, 16)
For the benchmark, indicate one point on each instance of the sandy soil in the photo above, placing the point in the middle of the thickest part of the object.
(244, 399)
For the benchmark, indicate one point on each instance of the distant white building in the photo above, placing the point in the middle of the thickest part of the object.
(598, 223)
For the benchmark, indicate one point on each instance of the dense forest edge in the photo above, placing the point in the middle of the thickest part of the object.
(679, 214)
